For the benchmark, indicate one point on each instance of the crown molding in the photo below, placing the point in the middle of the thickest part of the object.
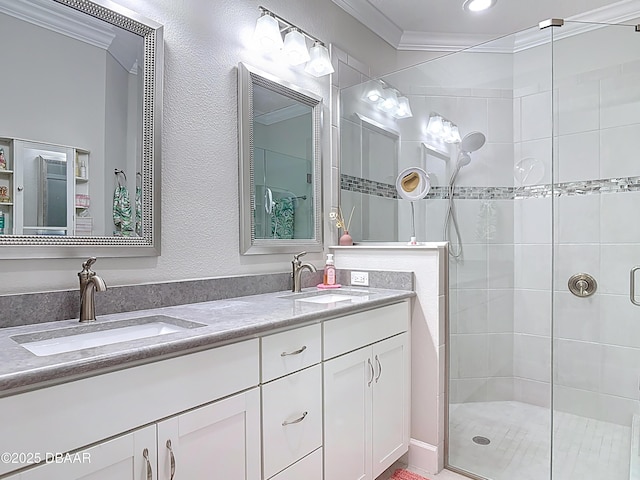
(373, 19)
(445, 42)
(60, 19)
(614, 14)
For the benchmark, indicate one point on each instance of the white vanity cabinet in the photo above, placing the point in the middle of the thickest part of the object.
(328, 400)
(292, 404)
(366, 393)
(207, 403)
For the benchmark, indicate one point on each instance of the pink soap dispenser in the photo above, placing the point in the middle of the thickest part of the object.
(329, 278)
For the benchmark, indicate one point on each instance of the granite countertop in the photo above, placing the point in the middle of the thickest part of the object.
(223, 321)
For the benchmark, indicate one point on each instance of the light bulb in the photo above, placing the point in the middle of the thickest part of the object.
(372, 92)
(295, 48)
(267, 34)
(389, 101)
(478, 5)
(404, 109)
(319, 63)
(455, 135)
(435, 125)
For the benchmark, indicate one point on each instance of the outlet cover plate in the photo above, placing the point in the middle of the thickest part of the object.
(360, 278)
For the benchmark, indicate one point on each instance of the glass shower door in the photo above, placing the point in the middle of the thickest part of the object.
(596, 199)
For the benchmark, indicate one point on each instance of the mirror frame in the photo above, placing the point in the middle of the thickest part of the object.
(36, 246)
(249, 245)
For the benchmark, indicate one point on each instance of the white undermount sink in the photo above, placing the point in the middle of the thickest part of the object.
(96, 335)
(327, 298)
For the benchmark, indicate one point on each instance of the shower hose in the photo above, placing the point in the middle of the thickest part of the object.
(455, 250)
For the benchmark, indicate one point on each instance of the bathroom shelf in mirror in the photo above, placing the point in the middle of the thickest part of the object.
(81, 166)
(7, 183)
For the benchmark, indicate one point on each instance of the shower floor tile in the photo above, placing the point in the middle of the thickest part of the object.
(585, 449)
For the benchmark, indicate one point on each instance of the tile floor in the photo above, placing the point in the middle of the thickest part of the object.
(585, 449)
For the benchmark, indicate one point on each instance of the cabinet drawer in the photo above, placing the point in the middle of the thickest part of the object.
(290, 351)
(296, 402)
(351, 332)
(309, 468)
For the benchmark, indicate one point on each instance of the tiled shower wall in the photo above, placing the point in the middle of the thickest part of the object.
(500, 298)
(597, 340)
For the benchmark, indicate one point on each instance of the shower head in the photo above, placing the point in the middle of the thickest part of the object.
(464, 159)
(472, 141)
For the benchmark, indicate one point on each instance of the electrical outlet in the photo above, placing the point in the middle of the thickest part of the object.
(360, 278)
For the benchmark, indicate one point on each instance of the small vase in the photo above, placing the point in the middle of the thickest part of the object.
(345, 239)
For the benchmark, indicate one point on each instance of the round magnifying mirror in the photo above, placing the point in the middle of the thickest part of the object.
(413, 184)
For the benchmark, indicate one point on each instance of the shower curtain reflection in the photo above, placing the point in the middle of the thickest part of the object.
(283, 195)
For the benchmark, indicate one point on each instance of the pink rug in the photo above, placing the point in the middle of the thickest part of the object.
(402, 474)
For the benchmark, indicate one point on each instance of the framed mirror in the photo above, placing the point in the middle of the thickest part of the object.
(80, 130)
(280, 165)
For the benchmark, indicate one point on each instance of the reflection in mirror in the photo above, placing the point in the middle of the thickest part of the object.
(85, 101)
(280, 165)
(369, 177)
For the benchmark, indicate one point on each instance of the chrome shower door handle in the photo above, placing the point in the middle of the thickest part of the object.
(632, 286)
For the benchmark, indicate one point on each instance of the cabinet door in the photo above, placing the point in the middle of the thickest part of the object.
(347, 407)
(220, 440)
(390, 404)
(122, 458)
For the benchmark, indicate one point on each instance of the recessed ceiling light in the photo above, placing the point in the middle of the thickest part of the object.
(478, 5)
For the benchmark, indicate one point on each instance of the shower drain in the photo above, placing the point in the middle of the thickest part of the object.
(481, 440)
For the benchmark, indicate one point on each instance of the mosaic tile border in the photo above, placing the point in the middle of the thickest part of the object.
(584, 187)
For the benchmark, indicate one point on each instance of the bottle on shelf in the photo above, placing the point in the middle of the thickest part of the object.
(83, 169)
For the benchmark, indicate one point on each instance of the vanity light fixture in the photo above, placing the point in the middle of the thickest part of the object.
(268, 37)
(387, 99)
(478, 5)
(443, 129)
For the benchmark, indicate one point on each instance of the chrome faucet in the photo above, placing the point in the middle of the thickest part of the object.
(89, 283)
(296, 271)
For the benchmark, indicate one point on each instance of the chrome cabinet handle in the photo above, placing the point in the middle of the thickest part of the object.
(295, 352)
(173, 459)
(297, 420)
(145, 454)
(372, 371)
(379, 368)
(632, 286)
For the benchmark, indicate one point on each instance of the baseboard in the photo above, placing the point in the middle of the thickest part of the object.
(423, 456)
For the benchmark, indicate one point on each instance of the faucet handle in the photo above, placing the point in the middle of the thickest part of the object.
(296, 258)
(86, 266)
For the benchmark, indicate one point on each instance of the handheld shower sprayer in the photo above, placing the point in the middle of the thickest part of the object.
(471, 142)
